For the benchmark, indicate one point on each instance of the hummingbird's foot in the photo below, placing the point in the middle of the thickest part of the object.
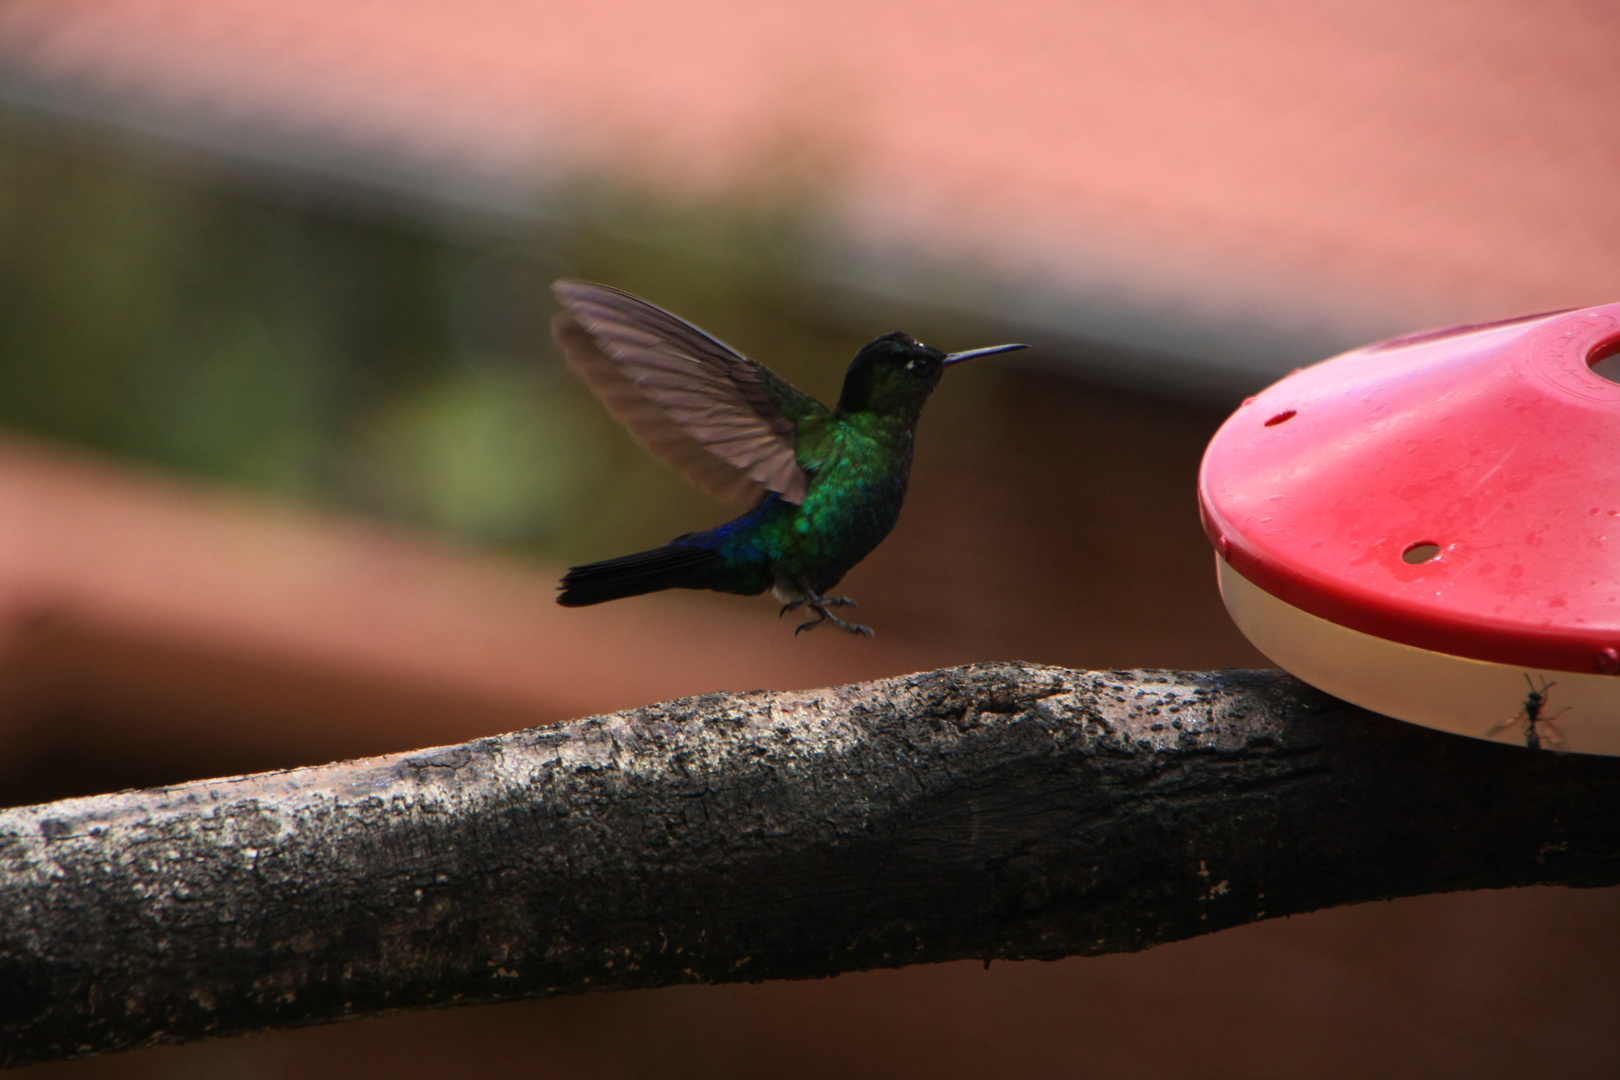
(799, 594)
(823, 615)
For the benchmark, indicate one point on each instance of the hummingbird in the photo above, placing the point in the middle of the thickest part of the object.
(820, 488)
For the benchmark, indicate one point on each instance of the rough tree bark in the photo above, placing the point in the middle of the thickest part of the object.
(998, 810)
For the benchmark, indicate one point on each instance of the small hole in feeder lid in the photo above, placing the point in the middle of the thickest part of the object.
(1281, 418)
(1605, 361)
(1420, 552)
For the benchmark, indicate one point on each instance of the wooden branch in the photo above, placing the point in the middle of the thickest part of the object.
(998, 810)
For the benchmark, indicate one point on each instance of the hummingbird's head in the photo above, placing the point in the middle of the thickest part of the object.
(894, 374)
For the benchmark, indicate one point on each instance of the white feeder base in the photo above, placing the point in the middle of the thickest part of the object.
(1579, 713)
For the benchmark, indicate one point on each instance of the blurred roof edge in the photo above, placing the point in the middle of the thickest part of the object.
(1143, 323)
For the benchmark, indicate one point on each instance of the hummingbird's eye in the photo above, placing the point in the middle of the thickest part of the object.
(921, 366)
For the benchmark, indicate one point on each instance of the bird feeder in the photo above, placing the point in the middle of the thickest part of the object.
(1429, 528)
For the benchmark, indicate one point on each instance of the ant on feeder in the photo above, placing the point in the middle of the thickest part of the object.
(1534, 702)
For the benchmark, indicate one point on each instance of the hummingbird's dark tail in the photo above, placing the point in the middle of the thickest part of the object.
(669, 567)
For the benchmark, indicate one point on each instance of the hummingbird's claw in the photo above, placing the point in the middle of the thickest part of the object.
(825, 616)
(819, 604)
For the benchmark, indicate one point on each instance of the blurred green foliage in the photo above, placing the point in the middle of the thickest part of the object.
(366, 360)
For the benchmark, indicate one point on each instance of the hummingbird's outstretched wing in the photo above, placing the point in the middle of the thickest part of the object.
(723, 421)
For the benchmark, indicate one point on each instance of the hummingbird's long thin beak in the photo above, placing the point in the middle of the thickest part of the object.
(973, 354)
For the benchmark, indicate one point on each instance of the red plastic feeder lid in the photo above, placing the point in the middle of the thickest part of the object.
(1430, 527)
